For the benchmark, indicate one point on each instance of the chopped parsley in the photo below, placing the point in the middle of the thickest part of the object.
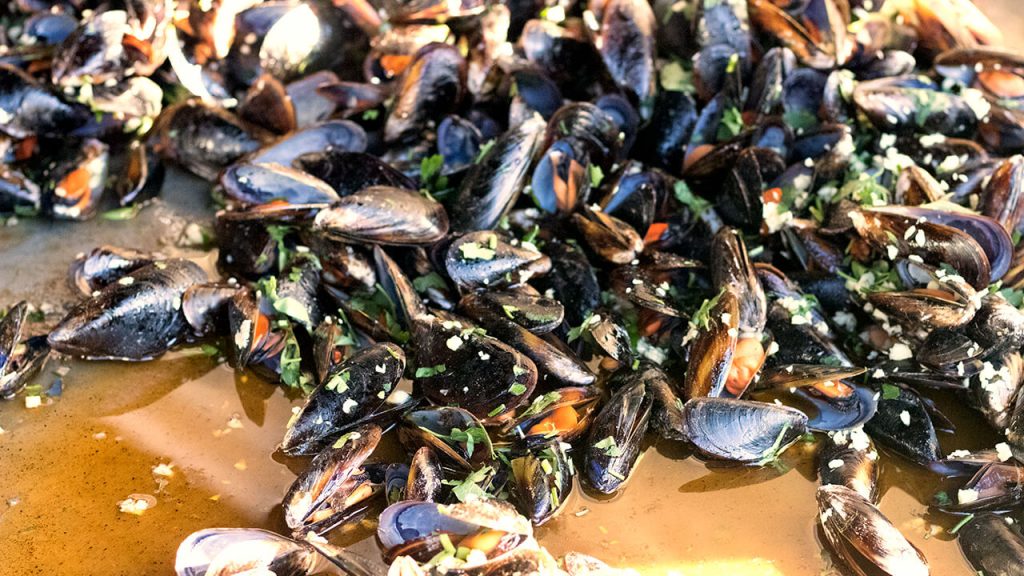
(609, 447)
(430, 371)
(469, 488)
(687, 198)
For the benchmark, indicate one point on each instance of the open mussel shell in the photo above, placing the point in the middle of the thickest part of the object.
(486, 259)
(900, 228)
(142, 178)
(991, 544)
(334, 487)
(995, 486)
(384, 215)
(733, 271)
(75, 177)
(610, 238)
(355, 391)
(205, 307)
(136, 318)
(230, 551)
(835, 403)
(542, 481)
(434, 427)
(863, 538)
(461, 366)
(102, 265)
(267, 104)
(997, 325)
(538, 314)
(20, 357)
(994, 389)
(741, 430)
(31, 109)
(616, 434)
(712, 350)
(903, 424)
(848, 458)
(924, 307)
(563, 413)
(405, 522)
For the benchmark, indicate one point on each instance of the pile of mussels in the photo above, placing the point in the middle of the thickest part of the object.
(529, 236)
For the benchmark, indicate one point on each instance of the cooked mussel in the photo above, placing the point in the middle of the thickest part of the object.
(355, 391)
(21, 357)
(862, 537)
(741, 430)
(138, 317)
(230, 551)
(335, 486)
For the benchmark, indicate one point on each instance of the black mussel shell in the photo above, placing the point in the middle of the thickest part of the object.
(488, 260)
(104, 265)
(992, 545)
(384, 215)
(136, 318)
(21, 357)
(741, 430)
(355, 391)
(261, 183)
(335, 136)
(542, 482)
(863, 538)
(324, 495)
(459, 365)
(902, 423)
(493, 184)
(349, 172)
(616, 433)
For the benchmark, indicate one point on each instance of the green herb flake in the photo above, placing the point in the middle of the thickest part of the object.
(890, 392)
(126, 213)
(430, 371)
(485, 149)
(675, 77)
(576, 332)
(469, 488)
(474, 251)
(687, 198)
(961, 524)
(596, 175)
(540, 403)
(702, 317)
(430, 281)
(730, 125)
(339, 382)
(609, 447)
